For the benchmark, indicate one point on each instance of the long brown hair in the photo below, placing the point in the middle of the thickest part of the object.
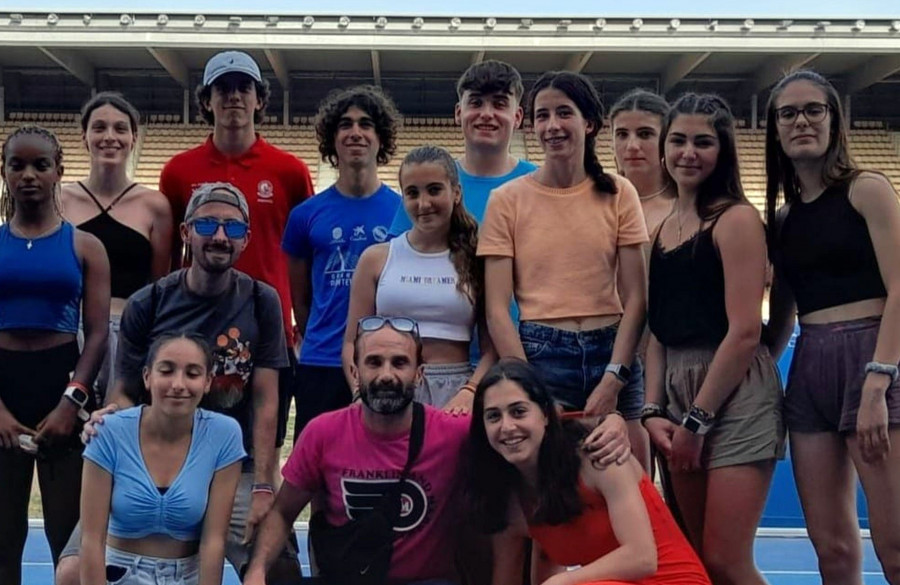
(463, 237)
(781, 177)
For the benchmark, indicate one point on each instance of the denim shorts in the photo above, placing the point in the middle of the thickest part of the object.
(572, 363)
(125, 568)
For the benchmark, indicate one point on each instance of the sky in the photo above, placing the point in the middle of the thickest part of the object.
(797, 9)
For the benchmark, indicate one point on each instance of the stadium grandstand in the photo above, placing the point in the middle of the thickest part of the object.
(52, 62)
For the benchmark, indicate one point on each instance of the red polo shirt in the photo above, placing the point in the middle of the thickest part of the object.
(272, 180)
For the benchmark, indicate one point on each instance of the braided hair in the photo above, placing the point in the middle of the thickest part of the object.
(7, 203)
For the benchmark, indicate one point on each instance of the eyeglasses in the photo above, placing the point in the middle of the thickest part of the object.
(813, 112)
(235, 229)
(376, 322)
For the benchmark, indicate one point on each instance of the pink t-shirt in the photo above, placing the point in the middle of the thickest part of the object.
(336, 455)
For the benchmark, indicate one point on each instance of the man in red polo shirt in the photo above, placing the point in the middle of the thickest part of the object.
(233, 99)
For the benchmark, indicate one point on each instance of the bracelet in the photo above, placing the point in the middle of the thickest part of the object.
(262, 488)
(468, 387)
(651, 410)
(703, 415)
(881, 368)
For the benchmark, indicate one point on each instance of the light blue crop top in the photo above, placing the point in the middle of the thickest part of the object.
(137, 509)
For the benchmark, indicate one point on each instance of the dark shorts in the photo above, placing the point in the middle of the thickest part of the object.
(827, 372)
(749, 426)
(318, 389)
(572, 363)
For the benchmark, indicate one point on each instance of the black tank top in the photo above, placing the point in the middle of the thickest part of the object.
(826, 253)
(686, 306)
(130, 253)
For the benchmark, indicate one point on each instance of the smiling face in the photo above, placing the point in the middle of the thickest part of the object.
(636, 143)
(691, 151)
(356, 140)
(488, 119)
(109, 137)
(233, 101)
(30, 169)
(428, 196)
(216, 253)
(514, 424)
(178, 378)
(559, 125)
(803, 139)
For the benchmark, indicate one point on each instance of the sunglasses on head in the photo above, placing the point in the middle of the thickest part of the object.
(376, 322)
(208, 226)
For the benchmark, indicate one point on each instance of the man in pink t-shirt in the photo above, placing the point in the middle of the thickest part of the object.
(344, 457)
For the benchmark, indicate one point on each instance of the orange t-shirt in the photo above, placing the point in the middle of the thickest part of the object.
(564, 244)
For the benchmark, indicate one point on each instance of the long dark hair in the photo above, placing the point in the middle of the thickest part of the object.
(725, 180)
(463, 237)
(641, 100)
(7, 203)
(581, 91)
(781, 177)
(491, 480)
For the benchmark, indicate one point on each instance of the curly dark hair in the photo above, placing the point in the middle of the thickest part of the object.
(463, 236)
(203, 94)
(368, 98)
(7, 203)
(581, 91)
(491, 480)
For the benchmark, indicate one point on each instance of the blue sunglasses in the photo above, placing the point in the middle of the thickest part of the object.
(235, 229)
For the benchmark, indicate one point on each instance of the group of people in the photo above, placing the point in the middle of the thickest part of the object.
(562, 324)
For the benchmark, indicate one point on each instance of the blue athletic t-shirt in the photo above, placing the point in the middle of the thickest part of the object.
(476, 191)
(331, 231)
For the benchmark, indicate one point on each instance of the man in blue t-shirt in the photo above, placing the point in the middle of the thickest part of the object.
(326, 234)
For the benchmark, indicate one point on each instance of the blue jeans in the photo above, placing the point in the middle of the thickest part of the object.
(125, 568)
(572, 363)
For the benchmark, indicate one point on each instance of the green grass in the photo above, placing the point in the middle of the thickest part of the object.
(36, 511)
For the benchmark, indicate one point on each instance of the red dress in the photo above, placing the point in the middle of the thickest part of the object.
(588, 537)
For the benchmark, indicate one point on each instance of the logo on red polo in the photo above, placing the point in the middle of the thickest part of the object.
(265, 190)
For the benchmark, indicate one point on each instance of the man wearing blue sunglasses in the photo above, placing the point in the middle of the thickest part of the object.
(241, 319)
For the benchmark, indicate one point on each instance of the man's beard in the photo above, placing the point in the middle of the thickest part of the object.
(387, 397)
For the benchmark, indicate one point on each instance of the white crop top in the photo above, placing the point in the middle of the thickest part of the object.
(423, 287)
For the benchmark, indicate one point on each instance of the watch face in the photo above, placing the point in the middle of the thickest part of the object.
(692, 425)
(78, 394)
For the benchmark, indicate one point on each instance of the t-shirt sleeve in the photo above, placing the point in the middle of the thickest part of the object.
(401, 222)
(632, 227)
(134, 337)
(303, 469)
(271, 351)
(102, 448)
(296, 234)
(230, 440)
(496, 235)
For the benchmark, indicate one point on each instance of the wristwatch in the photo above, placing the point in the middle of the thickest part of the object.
(620, 371)
(698, 421)
(77, 395)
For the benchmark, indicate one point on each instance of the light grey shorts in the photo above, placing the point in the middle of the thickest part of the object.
(125, 568)
(442, 382)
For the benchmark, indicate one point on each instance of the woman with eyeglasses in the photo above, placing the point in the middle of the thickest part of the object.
(834, 244)
(133, 222)
(429, 273)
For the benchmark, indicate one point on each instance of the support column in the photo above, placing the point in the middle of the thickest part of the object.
(286, 115)
(2, 99)
(186, 108)
(848, 111)
(754, 111)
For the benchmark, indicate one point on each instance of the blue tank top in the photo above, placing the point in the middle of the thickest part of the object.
(40, 281)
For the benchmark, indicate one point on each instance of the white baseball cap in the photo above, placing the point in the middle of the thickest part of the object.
(230, 62)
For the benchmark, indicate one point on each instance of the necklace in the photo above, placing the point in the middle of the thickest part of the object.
(654, 194)
(31, 239)
(680, 224)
